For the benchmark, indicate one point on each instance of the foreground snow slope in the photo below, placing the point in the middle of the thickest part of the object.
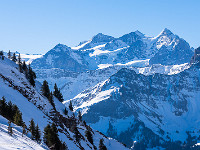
(16, 141)
(15, 88)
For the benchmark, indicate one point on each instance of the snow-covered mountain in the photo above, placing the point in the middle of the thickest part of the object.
(150, 109)
(126, 103)
(165, 49)
(83, 64)
(15, 87)
(62, 57)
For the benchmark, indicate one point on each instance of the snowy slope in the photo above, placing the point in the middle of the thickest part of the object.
(30, 57)
(15, 88)
(16, 141)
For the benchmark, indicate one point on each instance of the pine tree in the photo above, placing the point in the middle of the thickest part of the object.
(77, 134)
(57, 93)
(101, 145)
(45, 89)
(31, 75)
(79, 116)
(24, 67)
(37, 134)
(70, 106)
(10, 131)
(51, 100)
(14, 110)
(64, 146)
(19, 59)
(65, 112)
(19, 63)
(3, 107)
(24, 130)
(14, 57)
(10, 112)
(9, 54)
(32, 129)
(88, 134)
(18, 118)
(47, 135)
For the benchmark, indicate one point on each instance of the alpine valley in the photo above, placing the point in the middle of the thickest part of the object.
(137, 90)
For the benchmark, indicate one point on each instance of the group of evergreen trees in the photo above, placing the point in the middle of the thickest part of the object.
(46, 92)
(23, 68)
(27, 70)
(13, 114)
(51, 138)
(10, 112)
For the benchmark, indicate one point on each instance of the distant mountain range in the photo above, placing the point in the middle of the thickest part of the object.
(165, 49)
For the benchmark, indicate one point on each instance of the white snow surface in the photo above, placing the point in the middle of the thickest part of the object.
(16, 141)
(30, 57)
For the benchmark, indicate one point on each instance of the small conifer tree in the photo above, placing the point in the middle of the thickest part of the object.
(9, 54)
(57, 93)
(79, 115)
(65, 112)
(45, 89)
(14, 57)
(18, 118)
(101, 145)
(88, 134)
(32, 129)
(51, 100)
(70, 106)
(37, 134)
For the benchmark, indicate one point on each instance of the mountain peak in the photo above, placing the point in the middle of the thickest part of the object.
(61, 47)
(166, 32)
(139, 33)
(100, 37)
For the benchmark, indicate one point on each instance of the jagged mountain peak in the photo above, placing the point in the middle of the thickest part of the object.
(61, 47)
(166, 32)
(139, 33)
(100, 37)
(132, 37)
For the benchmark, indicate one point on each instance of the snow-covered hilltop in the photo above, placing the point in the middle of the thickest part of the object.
(15, 87)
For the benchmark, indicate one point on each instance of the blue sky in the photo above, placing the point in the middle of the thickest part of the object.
(35, 26)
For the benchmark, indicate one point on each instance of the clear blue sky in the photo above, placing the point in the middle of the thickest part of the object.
(35, 26)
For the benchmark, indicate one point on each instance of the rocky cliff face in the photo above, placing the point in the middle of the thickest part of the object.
(196, 57)
(173, 50)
